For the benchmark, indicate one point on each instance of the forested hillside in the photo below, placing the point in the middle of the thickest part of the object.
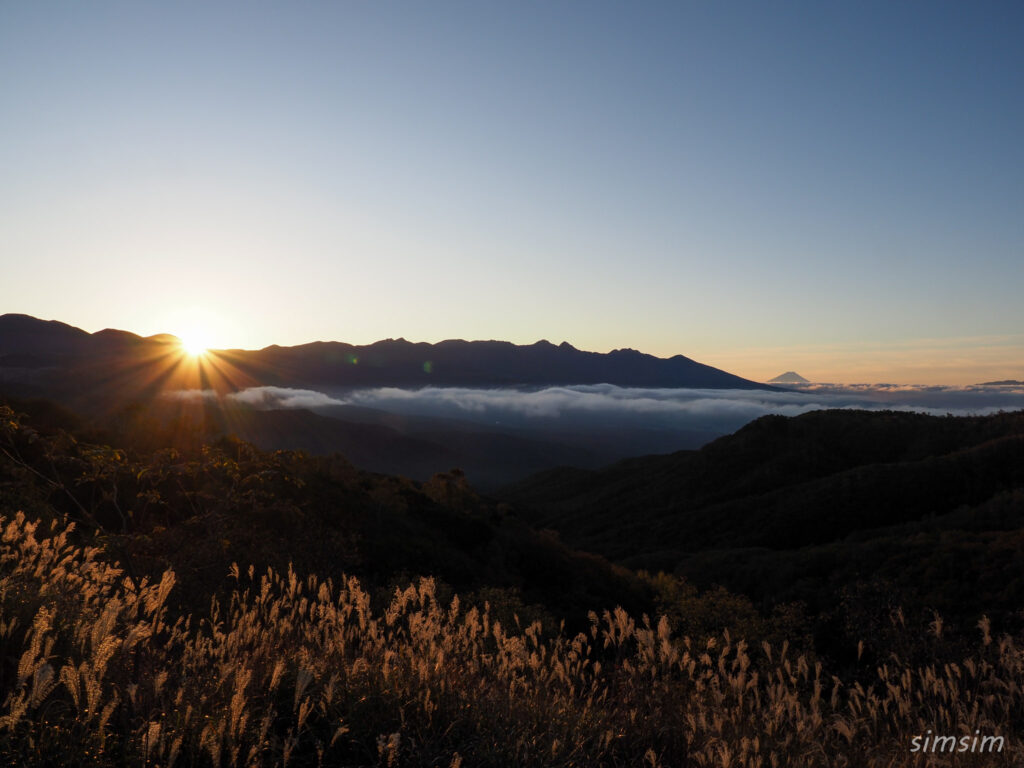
(927, 510)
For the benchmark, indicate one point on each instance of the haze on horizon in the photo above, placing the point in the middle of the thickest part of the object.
(834, 190)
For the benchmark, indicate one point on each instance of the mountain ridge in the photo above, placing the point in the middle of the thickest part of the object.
(387, 362)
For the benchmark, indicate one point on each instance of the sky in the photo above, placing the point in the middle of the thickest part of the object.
(831, 188)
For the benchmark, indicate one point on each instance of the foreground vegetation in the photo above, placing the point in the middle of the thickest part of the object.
(386, 622)
(299, 671)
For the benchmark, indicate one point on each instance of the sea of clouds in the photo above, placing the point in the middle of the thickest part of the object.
(718, 410)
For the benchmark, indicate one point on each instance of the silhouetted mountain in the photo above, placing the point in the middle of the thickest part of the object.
(114, 358)
(397, 362)
(28, 342)
(789, 377)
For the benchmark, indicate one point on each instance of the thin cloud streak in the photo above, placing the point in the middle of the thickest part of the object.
(262, 398)
(190, 395)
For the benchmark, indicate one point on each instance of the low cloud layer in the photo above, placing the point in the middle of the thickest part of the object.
(559, 402)
(275, 398)
(605, 406)
(724, 409)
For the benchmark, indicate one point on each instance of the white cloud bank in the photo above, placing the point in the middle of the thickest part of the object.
(555, 402)
(276, 398)
(721, 410)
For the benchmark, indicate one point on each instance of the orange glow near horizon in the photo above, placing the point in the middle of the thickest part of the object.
(958, 361)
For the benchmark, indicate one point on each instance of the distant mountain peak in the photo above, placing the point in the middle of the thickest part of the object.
(789, 377)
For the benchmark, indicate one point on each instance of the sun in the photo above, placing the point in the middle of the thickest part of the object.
(194, 344)
(199, 330)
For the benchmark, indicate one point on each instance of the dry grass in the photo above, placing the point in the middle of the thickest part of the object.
(295, 671)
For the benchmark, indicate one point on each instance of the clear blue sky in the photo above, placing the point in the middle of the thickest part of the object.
(835, 188)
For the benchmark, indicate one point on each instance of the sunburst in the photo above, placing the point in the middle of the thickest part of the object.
(194, 344)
